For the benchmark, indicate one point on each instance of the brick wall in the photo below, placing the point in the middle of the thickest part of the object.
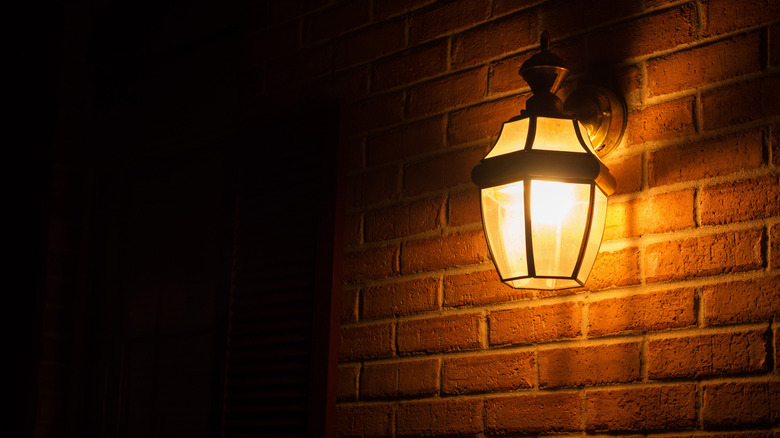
(676, 330)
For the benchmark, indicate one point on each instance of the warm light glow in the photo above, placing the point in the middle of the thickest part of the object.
(505, 213)
(550, 202)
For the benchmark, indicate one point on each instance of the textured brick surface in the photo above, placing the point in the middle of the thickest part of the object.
(707, 355)
(349, 305)
(662, 121)
(534, 324)
(688, 161)
(775, 246)
(755, 198)
(376, 112)
(445, 333)
(442, 18)
(705, 64)
(369, 43)
(374, 186)
(707, 255)
(439, 252)
(644, 312)
(439, 417)
(397, 379)
(658, 214)
(463, 208)
(653, 408)
(365, 420)
(455, 90)
(371, 263)
(724, 16)
(581, 366)
(442, 171)
(627, 173)
(406, 141)
(366, 341)
(494, 38)
(480, 287)
(495, 372)
(736, 404)
(347, 382)
(741, 301)
(532, 414)
(400, 298)
(404, 219)
(418, 63)
(739, 103)
(618, 268)
(483, 121)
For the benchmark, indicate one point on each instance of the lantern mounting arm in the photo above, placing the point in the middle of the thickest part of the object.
(599, 109)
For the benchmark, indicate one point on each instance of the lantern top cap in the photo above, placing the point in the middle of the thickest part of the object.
(544, 72)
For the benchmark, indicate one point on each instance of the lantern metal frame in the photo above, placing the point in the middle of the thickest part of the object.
(602, 112)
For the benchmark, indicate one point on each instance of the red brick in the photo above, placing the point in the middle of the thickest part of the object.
(775, 246)
(657, 214)
(445, 17)
(376, 112)
(482, 287)
(366, 341)
(407, 141)
(349, 305)
(645, 35)
(744, 200)
(463, 208)
(397, 379)
(369, 43)
(741, 404)
(740, 103)
(353, 229)
(705, 159)
(735, 434)
(725, 16)
(619, 268)
(627, 173)
(404, 219)
(410, 66)
(702, 65)
(439, 94)
(440, 417)
(335, 20)
(639, 313)
(347, 382)
(587, 366)
(494, 38)
(741, 301)
(371, 263)
(370, 187)
(441, 252)
(356, 148)
(482, 121)
(535, 324)
(533, 414)
(400, 298)
(504, 76)
(443, 171)
(652, 408)
(662, 121)
(365, 420)
(443, 333)
(734, 251)
(386, 8)
(776, 144)
(495, 372)
(574, 16)
(716, 354)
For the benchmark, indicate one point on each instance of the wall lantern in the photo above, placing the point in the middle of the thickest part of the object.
(543, 186)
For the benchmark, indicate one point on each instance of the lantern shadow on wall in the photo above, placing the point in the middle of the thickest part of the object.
(543, 186)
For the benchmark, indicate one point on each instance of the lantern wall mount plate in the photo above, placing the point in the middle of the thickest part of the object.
(543, 187)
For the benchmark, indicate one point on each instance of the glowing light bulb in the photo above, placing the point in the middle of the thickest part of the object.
(551, 202)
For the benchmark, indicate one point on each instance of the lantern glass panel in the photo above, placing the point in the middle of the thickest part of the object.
(596, 233)
(503, 216)
(557, 135)
(559, 215)
(512, 138)
(544, 283)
